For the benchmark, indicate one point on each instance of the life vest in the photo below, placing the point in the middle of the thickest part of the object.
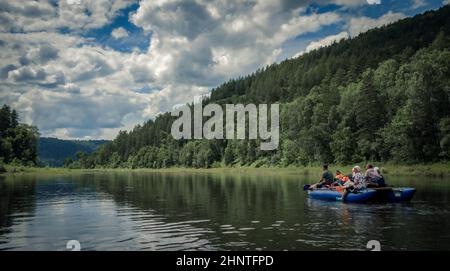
(342, 177)
(339, 176)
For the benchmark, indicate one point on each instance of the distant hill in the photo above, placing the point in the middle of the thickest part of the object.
(53, 151)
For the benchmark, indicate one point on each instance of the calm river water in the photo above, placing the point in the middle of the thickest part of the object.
(203, 211)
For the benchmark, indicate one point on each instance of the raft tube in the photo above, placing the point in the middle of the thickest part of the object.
(333, 195)
(389, 194)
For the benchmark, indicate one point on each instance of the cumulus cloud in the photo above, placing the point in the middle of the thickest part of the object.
(27, 74)
(48, 15)
(40, 55)
(350, 3)
(86, 113)
(119, 33)
(327, 41)
(57, 81)
(362, 24)
(418, 3)
(205, 42)
(374, 2)
(4, 71)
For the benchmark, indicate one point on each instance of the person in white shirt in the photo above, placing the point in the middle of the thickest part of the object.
(357, 183)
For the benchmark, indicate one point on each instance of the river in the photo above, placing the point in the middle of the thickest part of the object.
(211, 211)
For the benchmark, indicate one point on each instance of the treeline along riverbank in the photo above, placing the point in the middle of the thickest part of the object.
(438, 170)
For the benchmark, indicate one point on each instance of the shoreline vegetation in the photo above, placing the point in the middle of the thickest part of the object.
(390, 169)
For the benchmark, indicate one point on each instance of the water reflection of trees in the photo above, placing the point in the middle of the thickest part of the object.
(17, 200)
(231, 199)
(234, 199)
(224, 197)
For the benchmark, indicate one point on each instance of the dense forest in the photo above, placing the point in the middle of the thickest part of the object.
(381, 96)
(18, 141)
(57, 152)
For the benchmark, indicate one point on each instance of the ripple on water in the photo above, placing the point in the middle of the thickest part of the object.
(230, 232)
(236, 244)
(246, 229)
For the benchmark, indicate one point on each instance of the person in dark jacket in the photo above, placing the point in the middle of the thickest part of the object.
(327, 178)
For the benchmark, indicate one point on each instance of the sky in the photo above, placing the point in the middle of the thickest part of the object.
(86, 69)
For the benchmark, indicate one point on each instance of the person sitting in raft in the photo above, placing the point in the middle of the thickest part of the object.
(381, 182)
(357, 183)
(327, 178)
(340, 179)
(372, 176)
(338, 175)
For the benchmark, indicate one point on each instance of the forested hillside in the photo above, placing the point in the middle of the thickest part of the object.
(18, 141)
(54, 152)
(382, 96)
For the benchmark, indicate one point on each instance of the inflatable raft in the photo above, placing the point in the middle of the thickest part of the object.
(390, 194)
(328, 194)
(385, 194)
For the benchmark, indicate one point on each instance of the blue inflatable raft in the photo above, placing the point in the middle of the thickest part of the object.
(385, 194)
(390, 194)
(327, 194)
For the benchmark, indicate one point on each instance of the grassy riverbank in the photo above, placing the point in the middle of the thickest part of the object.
(432, 170)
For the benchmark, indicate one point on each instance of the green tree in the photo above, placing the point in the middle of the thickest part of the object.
(444, 132)
(343, 146)
(369, 116)
(229, 155)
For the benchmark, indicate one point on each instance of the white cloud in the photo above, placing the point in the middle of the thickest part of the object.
(27, 74)
(418, 3)
(374, 2)
(57, 83)
(351, 3)
(358, 25)
(85, 112)
(42, 15)
(119, 33)
(327, 41)
(208, 49)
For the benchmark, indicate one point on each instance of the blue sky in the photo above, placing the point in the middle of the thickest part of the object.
(89, 68)
(136, 38)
